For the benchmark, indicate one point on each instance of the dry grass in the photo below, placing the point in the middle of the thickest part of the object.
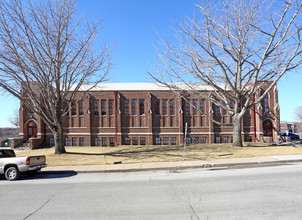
(141, 154)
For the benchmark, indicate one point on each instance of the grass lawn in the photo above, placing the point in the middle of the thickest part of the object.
(141, 154)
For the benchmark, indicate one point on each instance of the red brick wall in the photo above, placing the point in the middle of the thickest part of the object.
(150, 125)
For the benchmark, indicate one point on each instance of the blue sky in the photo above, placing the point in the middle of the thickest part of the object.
(132, 27)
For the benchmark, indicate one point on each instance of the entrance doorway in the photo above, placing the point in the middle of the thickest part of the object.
(32, 129)
(267, 128)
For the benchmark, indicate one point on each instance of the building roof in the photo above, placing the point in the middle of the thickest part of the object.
(142, 87)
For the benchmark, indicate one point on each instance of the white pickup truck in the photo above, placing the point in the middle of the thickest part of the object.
(11, 166)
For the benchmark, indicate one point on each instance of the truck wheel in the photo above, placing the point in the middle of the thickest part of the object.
(12, 173)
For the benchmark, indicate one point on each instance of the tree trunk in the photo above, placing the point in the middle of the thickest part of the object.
(59, 141)
(237, 140)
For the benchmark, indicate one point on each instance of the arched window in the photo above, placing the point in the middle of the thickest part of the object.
(267, 128)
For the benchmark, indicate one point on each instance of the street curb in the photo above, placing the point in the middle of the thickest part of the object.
(207, 165)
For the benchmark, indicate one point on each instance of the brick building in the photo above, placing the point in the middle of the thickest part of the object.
(148, 114)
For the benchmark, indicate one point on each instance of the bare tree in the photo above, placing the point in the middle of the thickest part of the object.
(298, 113)
(235, 47)
(14, 119)
(46, 55)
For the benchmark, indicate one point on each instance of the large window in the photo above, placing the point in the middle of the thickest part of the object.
(142, 141)
(158, 141)
(172, 106)
(82, 141)
(188, 140)
(156, 106)
(133, 106)
(81, 108)
(195, 140)
(194, 106)
(187, 107)
(74, 141)
(111, 104)
(217, 108)
(203, 140)
(218, 140)
(173, 140)
(165, 140)
(112, 141)
(73, 108)
(67, 141)
(266, 104)
(103, 107)
(97, 142)
(104, 142)
(165, 106)
(141, 106)
(96, 107)
(202, 105)
(225, 139)
(127, 141)
(126, 106)
(135, 141)
(223, 109)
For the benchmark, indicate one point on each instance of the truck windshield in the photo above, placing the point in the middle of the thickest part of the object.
(7, 153)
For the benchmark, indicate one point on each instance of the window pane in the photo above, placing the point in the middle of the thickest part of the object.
(126, 106)
(97, 142)
(82, 141)
(74, 142)
(194, 106)
(142, 141)
(202, 105)
(67, 141)
(135, 141)
(104, 141)
(165, 103)
(172, 107)
(112, 141)
(141, 106)
(187, 107)
(81, 108)
(224, 110)
(173, 140)
(103, 107)
(217, 108)
(133, 106)
(111, 104)
(166, 141)
(73, 108)
(96, 107)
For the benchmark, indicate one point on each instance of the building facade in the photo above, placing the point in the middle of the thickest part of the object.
(147, 114)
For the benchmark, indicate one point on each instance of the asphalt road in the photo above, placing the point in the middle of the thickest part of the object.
(237, 193)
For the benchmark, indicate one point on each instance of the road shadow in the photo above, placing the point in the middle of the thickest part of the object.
(45, 175)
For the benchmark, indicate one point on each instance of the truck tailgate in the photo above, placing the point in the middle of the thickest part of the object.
(37, 160)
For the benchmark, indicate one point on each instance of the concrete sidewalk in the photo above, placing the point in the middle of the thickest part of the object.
(175, 165)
